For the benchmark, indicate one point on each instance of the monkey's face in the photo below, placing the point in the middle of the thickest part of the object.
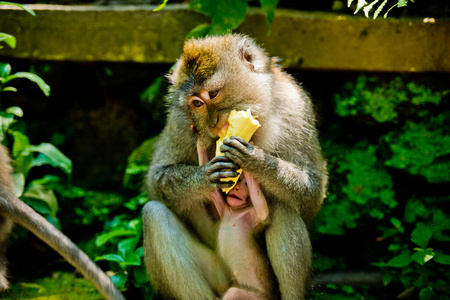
(218, 74)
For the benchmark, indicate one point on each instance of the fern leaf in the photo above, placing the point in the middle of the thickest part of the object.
(360, 5)
(369, 7)
(379, 9)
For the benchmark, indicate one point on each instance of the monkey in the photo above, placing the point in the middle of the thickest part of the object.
(13, 210)
(213, 76)
(242, 212)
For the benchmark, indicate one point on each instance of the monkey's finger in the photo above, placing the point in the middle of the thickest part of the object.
(215, 177)
(223, 185)
(219, 159)
(219, 166)
(238, 143)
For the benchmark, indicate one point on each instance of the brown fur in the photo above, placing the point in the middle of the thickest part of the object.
(14, 210)
(286, 162)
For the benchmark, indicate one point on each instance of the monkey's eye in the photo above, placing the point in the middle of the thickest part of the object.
(213, 94)
(197, 103)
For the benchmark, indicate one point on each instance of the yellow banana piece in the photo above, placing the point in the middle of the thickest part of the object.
(240, 123)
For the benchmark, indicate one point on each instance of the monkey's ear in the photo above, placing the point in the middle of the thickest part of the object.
(174, 72)
(252, 56)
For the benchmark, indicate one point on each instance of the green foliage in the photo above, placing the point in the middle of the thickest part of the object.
(226, 15)
(359, 186)
(378, 172)
(384, 101)
(60, 285)
(421, 267)
(152, 99)
(422, 148)
(380, 4)
(127, 262)
(25, 156)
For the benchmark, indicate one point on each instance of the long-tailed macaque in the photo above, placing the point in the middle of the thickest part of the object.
(214, 76)
(13, 210)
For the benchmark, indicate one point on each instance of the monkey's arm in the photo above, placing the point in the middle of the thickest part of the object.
(22, 214)
(283, 180)
(257, 197)
(175, 175)
(216, 195)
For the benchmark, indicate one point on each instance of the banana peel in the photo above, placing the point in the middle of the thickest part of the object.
(240, 123)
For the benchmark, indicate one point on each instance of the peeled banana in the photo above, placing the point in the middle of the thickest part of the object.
(240, 123)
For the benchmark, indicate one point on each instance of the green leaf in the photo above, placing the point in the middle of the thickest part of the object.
(15, 110)
(360, 5)
(369, 7)
(421, 235)
(102, 239)
(139, 251)
(387, 278)
(426, 293)
(161, 6)
(9, 40)
(421, 281)
(119, 280)
(397, 224)
(9, 89)
(422, 256)
(442, 258)
(139, 274)
(32, 77)
(400, 261)
(402, 3)
(24, 7)
(5, 70)
(379, 9)
(41, 192)
(127, 246)
(19, 184)
(110, 257)
(6, 120)
(22, 157)
(132, 260)
(51, 156)
(269, 7)
(225, 15)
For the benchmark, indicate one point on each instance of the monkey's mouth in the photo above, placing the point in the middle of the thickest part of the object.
(234, 201)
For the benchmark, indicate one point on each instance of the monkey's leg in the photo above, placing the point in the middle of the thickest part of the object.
(289, 251)
(177, 264)
(242, 294)
(5, 229)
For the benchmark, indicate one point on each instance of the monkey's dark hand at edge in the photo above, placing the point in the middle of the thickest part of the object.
(220, 167)
(249, 157)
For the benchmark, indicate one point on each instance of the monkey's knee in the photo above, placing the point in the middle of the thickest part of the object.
(235, 293)
(154, 210)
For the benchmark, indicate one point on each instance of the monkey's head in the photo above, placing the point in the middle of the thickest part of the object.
(215, 75)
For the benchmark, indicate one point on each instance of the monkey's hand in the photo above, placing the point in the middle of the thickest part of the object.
(247, 156)
(217, 168)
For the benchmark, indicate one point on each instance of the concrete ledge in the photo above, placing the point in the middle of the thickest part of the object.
(320, 41)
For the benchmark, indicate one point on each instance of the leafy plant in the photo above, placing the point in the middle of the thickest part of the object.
(416, 265)
(127, 262)
(380, 4)
(26, 156)
(226, 15)
(377, 173)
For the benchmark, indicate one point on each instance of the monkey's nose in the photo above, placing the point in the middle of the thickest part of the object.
(214, 122)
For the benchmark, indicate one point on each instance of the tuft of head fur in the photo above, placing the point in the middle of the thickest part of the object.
(202, 57)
